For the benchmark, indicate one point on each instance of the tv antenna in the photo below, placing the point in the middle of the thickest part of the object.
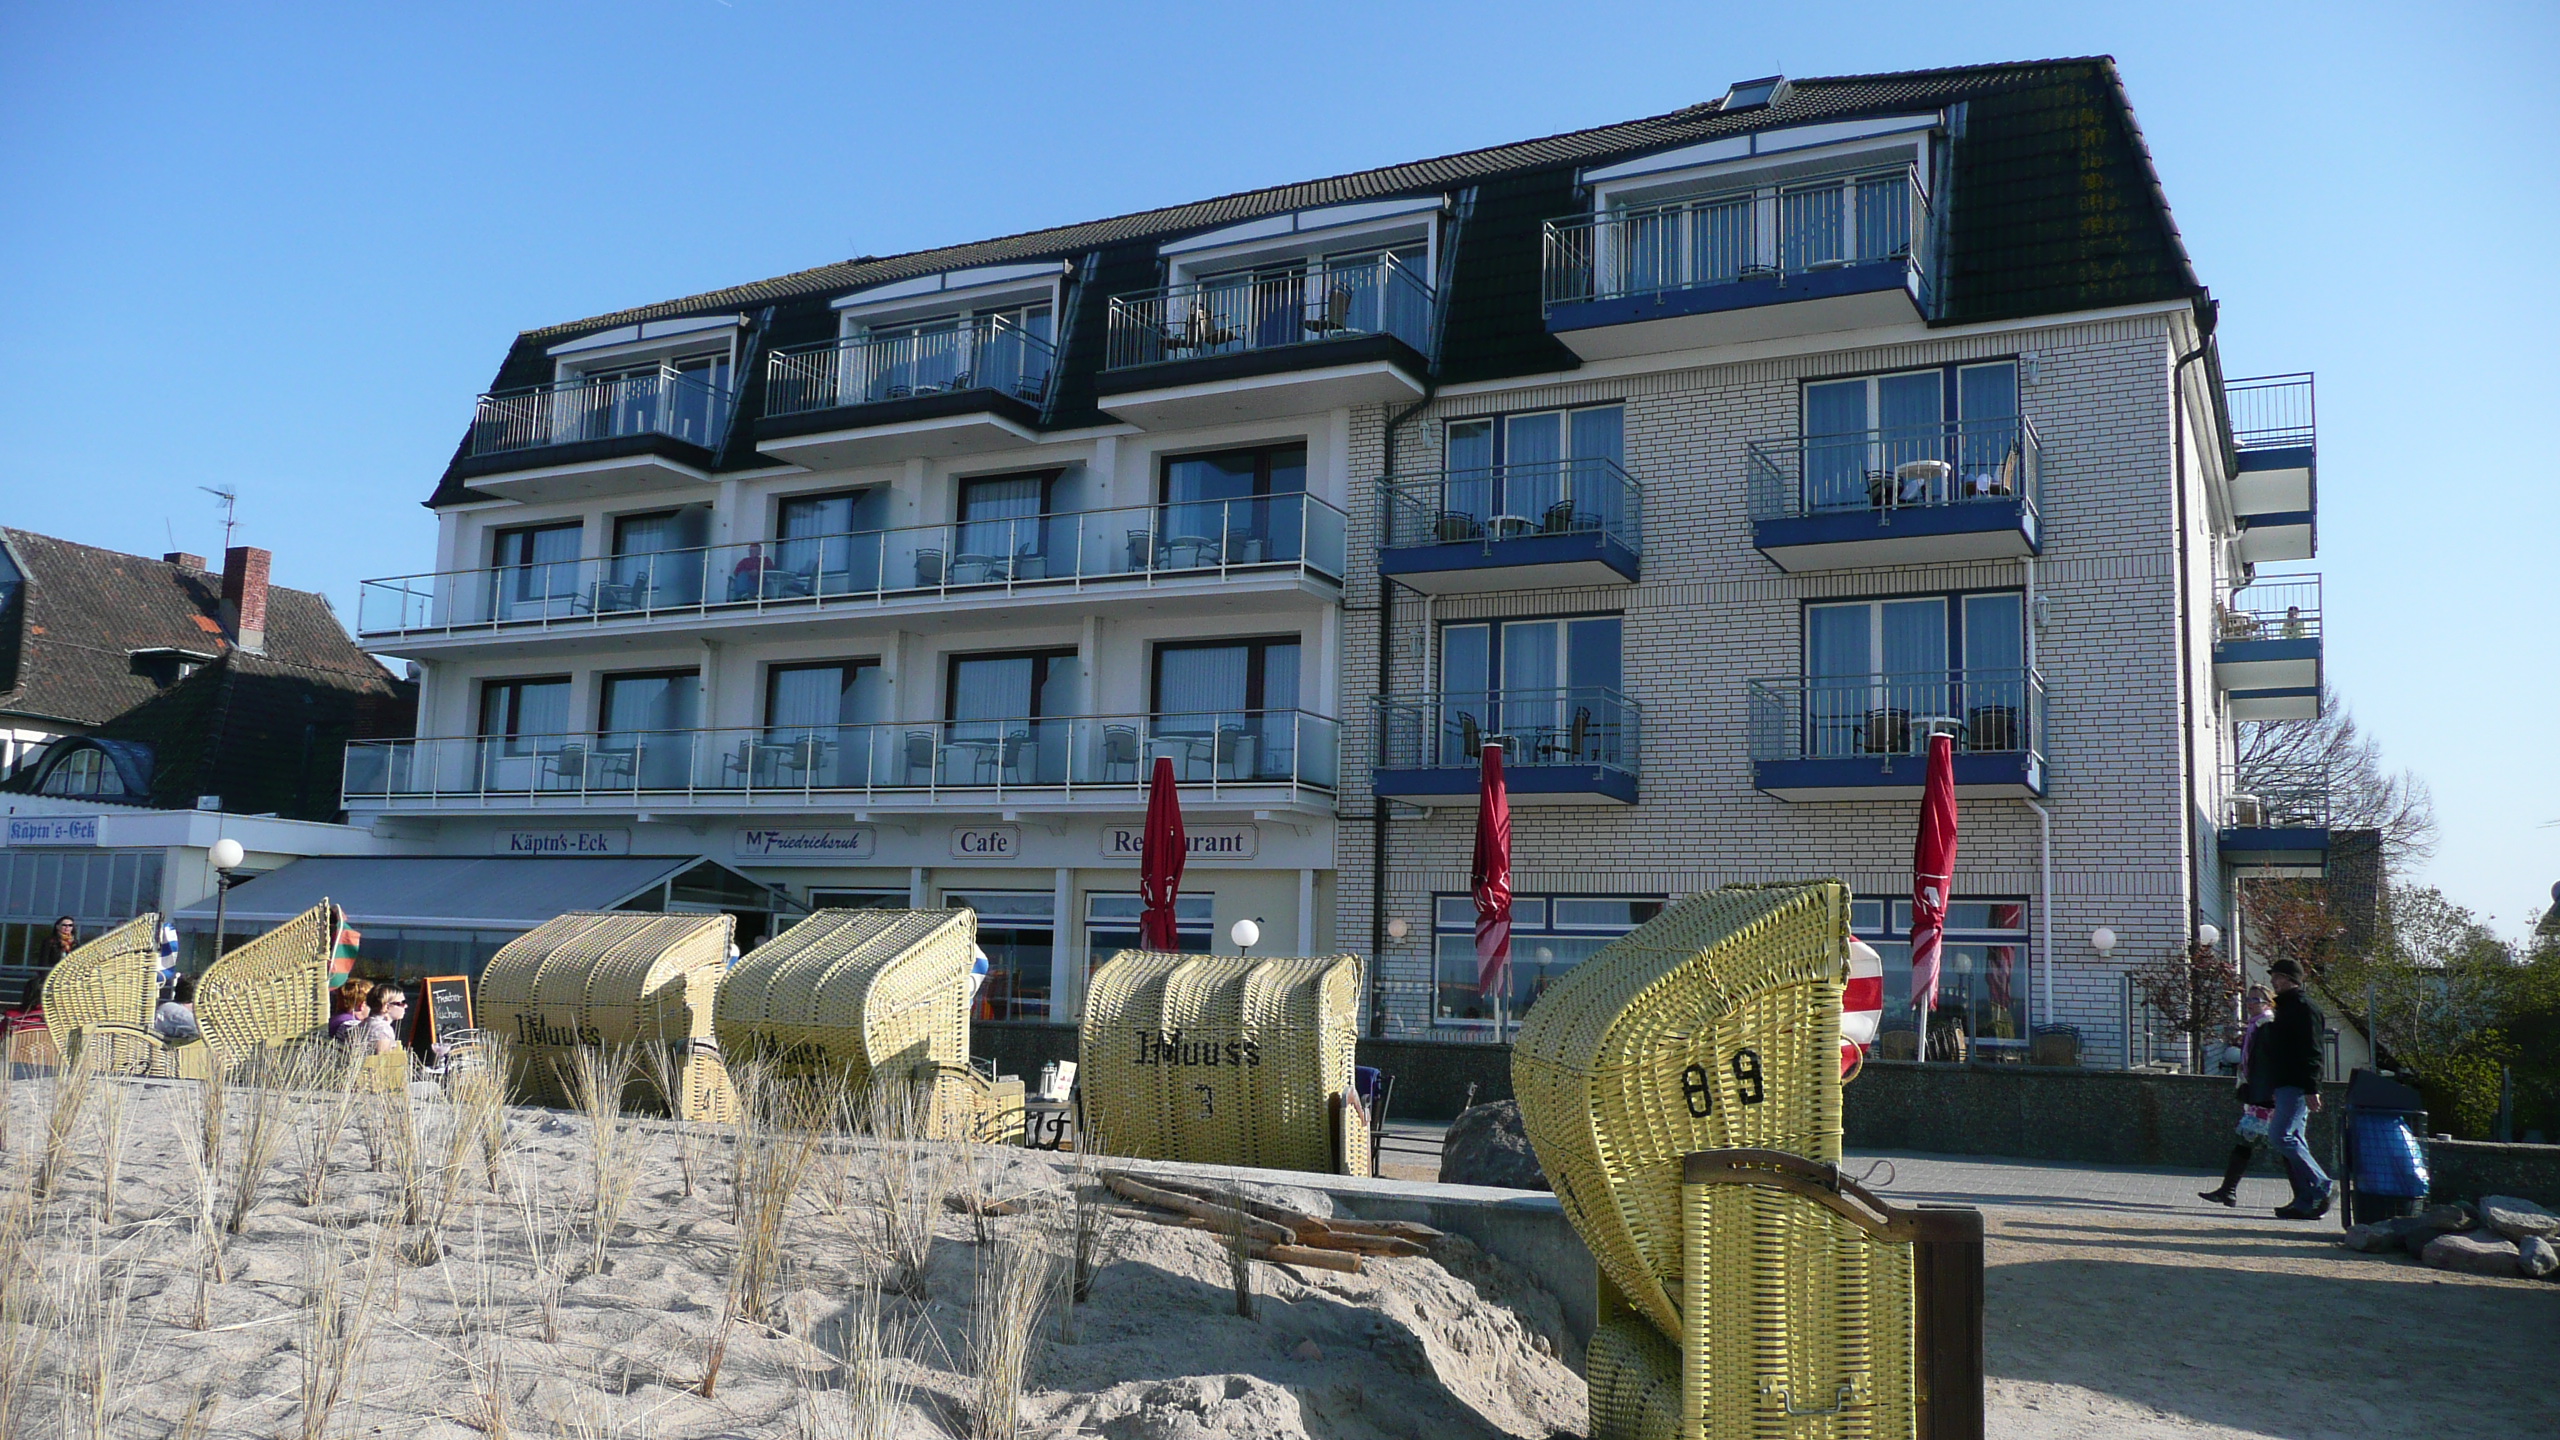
(230, 500)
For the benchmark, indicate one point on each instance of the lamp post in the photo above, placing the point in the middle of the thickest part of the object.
(1246, 934)
(226, 856)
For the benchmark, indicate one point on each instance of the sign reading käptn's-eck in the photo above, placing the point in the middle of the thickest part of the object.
(1167, 1047)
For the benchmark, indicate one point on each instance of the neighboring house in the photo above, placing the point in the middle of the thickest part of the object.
(1708, 462)
(157, 683)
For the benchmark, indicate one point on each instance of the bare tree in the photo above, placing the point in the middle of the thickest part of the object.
(2332, 753)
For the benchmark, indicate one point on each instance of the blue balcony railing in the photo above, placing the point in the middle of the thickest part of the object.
(1959, 462)
(1305, 305)
(664, 401)
(2272, 412)
(988, 353)
(1588, 726)
(1772, 234)
(1988, 712)
(1591, 497)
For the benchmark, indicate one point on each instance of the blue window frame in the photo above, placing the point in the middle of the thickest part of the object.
(1550, 934)
(1983, 976)
(1879, 672)
(1531, 680)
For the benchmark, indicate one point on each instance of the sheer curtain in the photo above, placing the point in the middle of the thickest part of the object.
(1470, 477)
(1532, 446)
(1835, 444)
(1599, 443)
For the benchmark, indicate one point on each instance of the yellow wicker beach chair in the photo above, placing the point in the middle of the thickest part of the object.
(870, 997)
(272, 991)
(610, 978)
(1735, 1300)
(112, 980)
(1225, 1060)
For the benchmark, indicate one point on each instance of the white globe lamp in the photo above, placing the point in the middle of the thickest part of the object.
(2102, 940)
(1397, 929)
(1246, 934)
(226, 854)
(2208, 936)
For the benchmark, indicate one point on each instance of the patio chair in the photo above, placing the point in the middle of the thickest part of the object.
(928, 567)
(1336, 314)
(1119, 748)
(1887, 732)
(1559, 519)
(1457, 526)
(1019, 746)
(919, 756)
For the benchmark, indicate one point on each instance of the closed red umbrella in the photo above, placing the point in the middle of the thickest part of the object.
(1160, 855)
(1491, 877)
(1933, 870)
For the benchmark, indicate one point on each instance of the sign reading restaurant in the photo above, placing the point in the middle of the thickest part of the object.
(53, 829)
(808, 846)
(561, 842)
(1223, 842)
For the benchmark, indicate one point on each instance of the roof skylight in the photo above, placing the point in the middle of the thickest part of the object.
(1754, 94)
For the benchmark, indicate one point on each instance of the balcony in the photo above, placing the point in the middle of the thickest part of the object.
(2275, 822)
(1259, 347)
(961, 388)
(1867, 738)
(607, 436)
(2266, 648)
(1962, 490)
(1763, 264)
(2275, 478)
(981, 572)
(1559, 747)
(1268, 759)
(1531, 526)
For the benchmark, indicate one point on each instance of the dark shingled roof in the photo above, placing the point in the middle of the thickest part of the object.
(262, 731)
(2056, 207)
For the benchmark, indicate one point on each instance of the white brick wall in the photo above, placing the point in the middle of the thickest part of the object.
(1711, 614)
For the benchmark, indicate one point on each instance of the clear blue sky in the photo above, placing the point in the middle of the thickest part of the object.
(280, 248)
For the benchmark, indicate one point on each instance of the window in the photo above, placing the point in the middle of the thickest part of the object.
(823, 545)
(85, 771)
(1018, 930)
(646, 722)
(1923, 437)
(654, 562)
(536, 570)
(1001, 532)
(1008, 717)
(1004, 348)
(1550, 934)
(518, 711)
(1554, 472)
(1232, 507)
(1981, 984)
(819, 724)
(1879, 677)
(1226, 709)
(1550, 687)
(1366, 291)
(686, 397)
(1111, 924)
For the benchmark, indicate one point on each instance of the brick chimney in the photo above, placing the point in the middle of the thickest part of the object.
(244, 596)
(183, 560)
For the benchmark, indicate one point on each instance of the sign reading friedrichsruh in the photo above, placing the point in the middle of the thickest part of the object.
(808, 847)
(53, 829)
(986, 842)
(561, 842)
(1220, 842)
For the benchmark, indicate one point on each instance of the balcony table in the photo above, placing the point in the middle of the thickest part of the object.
(981, 756)
(1924, 726)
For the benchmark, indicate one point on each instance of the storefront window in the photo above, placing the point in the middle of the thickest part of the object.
(1982, 977)
(1550, 934)
(1018, 930)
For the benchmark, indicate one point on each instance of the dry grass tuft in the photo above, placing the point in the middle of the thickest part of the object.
(1004, 1319)
(780, 1127)
(597, 1078)
(1239, 1251)
(546, 1243)
(326, 1108)
(23, 1330)
(1095, 1230)
(663, 1067)
(337, 1327)
(74, 1082)
(868, 1405)
(909, 1177)
(90, 1314)
(113, 1094)
(266, 1080)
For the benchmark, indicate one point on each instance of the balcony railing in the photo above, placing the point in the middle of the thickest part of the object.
(2275, 797)
(1958, 462)
(1195, 540)
(985, 352)
(1988, 712)
(1585, 726)
(1366, 295)
(1767, 234)
(2271, 607)
(1509, 502)
(891, 762)
(2271, 412)
(664, 401)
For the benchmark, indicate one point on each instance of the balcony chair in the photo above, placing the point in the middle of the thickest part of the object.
(1559, 519)
(928, 568)
(1119, 748)
(1142, 549)
(1456, 527)
(1236, 748)
(2054, 1045)
(1017, 747)
(1470, 736)
(919, 755)
(567, 767)
(1887, 732)
(1921, 482)
(1991, 727)
(1336, 314)
(1577, 736)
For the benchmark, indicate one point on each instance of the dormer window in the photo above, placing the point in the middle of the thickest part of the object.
(164, 666)
(85, 771)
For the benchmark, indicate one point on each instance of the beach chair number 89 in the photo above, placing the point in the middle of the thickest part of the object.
(1746, 1075)
(1695, 1089)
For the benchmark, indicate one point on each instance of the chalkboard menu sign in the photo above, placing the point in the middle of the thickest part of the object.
(448, 1005)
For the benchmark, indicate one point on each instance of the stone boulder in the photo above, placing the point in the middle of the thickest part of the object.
(2517, 1219)
(2482, 1252)
(2451, 1218)
(2538, 1258)
(2371, 1239)
(1486, 1145)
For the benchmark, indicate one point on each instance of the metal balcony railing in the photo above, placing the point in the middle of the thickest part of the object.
(983, 352)
(1508, 502)
(1768, 233)
(2275, 797)
(1189, 541)
(2271, 607)
(1358, 295)
(1580, 726)
(1958, 462)
(1822, 718)
(2271, 412)
(890, 761)
(664, 401)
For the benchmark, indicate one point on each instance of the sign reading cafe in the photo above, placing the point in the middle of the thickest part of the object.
(986, 842)
(1216, 842)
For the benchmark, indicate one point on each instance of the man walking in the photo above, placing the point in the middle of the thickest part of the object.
(2290, 1046)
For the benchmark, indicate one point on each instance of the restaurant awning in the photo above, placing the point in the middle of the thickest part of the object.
(442, 892)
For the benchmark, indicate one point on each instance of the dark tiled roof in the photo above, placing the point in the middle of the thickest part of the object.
(262, 731)
(2056, 208)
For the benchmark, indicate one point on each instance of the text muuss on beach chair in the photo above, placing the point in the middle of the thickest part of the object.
(1167, 1047)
